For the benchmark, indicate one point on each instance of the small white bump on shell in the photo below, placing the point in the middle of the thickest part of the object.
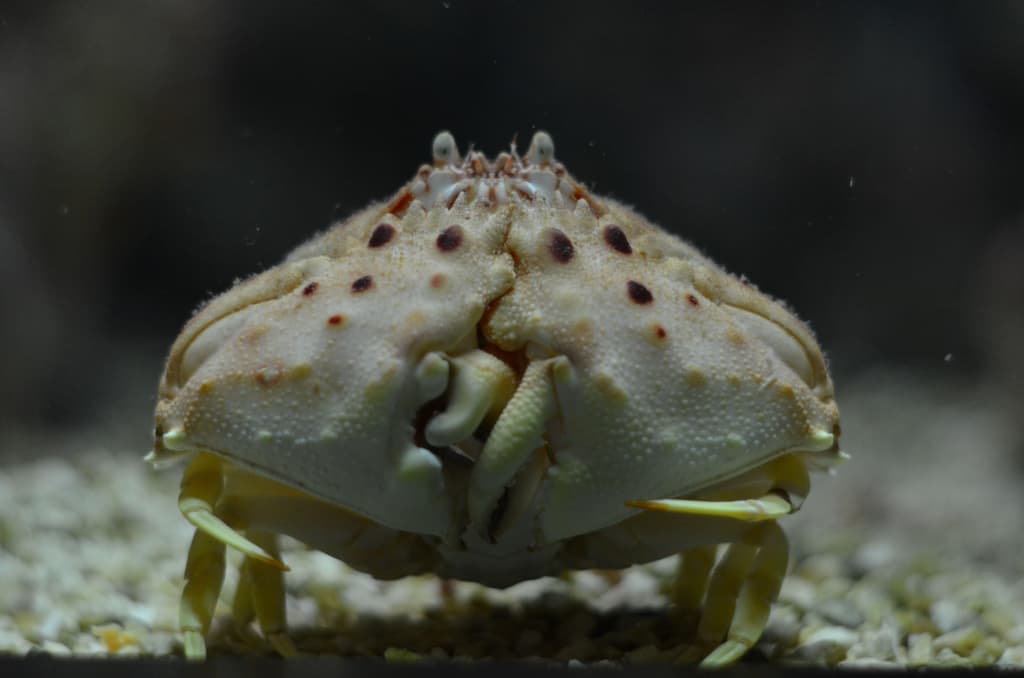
(541, 150)
(446, 152)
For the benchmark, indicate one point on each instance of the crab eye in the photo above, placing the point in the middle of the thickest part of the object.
(445, 150)
(541, 150)
(782, 343)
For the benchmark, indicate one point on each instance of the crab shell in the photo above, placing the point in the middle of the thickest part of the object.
(488, 371)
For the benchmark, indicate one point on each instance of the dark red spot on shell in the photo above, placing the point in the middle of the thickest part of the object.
(561, 247)
(362, 284)
(617, 240)
(437, 281)
(401, 203)
(638, 293)
(450, 239)
(336, 319)
(310, 289)
(660, 332)
(382, 235)
(693, 301)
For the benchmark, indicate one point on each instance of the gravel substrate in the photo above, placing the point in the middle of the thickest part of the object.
(909, 557)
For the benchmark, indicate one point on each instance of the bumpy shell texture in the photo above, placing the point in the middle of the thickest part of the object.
(584, 358)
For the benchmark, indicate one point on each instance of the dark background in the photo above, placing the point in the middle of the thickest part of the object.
(862, 160)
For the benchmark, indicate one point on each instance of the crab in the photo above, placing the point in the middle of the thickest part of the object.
(496, 376)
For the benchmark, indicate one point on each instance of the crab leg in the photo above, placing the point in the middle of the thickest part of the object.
(267, 591)
(785, 477)
(200, 488)
(768, 507)
(242, 610)
(760, 588)
(691, 583)
(739, 593)
(204, 576)
(723, 589)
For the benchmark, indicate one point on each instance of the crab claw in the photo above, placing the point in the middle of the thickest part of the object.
(482, 384)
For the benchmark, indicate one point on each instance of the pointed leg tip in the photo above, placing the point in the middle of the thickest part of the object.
(272, 562)
(195, 646)
(282, 644)
(725, 654)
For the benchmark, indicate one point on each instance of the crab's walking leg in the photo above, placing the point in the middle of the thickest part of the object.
(691, 582)
(768, 507)
(204, 576)
(242, 610)
(723, 589)
(760, 589)
(267, 590)
(747, 579)
(200, 488)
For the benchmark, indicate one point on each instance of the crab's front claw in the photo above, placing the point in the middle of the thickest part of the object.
(481, 386)
(517, 433)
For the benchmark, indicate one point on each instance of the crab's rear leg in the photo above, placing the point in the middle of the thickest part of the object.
(691, 583)
(260, 594)
(759, 578)
(738, 594)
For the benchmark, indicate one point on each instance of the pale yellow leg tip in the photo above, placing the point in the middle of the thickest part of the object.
(725, 654)
(195, 646)
(282, 644)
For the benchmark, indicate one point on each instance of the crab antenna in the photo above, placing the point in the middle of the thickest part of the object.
(445, 150)
(541, 150)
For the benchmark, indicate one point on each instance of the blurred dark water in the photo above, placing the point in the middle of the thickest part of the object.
(861, 160)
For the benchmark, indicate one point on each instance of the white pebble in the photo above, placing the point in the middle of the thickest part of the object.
(869, 663)
(832, 635)
(798, 593)
(948, 616)
(56, 649)
(961, 641)
(841, 612)
(1012, 656)
(14, 643)
(874, 556)
(919, 649)
(783, 626)
(882, 643)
